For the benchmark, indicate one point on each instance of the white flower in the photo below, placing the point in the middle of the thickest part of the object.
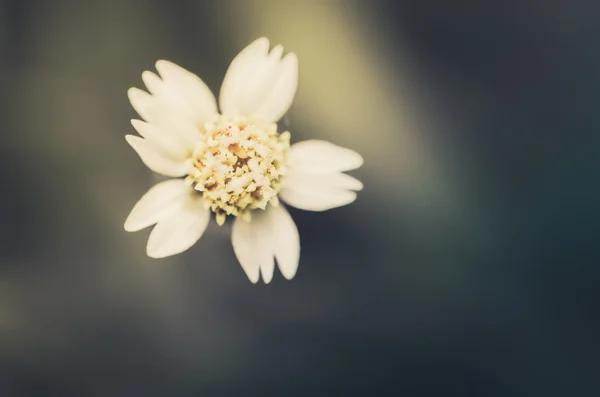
(234, 162)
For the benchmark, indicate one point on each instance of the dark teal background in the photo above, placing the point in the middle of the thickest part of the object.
(468, 266)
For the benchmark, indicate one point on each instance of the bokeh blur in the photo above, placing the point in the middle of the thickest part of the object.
(468, 265)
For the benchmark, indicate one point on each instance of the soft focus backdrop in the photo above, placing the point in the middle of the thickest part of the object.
(468, 265)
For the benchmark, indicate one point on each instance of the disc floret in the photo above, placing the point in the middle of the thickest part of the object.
(237, 166)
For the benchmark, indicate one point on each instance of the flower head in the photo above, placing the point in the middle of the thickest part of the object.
(234, 162)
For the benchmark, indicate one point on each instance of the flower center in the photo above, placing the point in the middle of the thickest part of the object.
(237, 166)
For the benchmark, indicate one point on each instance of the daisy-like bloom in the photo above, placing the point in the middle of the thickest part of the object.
(233, 162)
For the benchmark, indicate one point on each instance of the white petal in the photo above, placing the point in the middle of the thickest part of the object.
(267, 268)
(286, 240)
(270, 235)
(142, 102)
(239, 71)
(260, 83)
(156, 111)
(317, 200)
(316, 156)
(172, 144)
(152, 81)
(181, 229)
(180, 92)
(158, 202)
(283, 90)
(251, 244)
(156, 159)
(186, 92)
(308, 182)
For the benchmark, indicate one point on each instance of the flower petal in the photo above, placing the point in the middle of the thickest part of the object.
(182, 92)
(302, 181)
(155, 158)
(240, 70)
(314, 181)
(270, 235)
(267, 268)
(152, 81)
(171, 144)
(316, 156)
(259, 83)
(186, 92)
(156, 111)
(157, 203)
(181, 229)
(286, 240)
(317, 200)
(284, 85)
(142, 102)
(251, 244)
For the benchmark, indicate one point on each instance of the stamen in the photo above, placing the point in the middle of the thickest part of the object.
(238, 165)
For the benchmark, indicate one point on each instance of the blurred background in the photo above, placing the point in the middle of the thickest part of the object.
(468, 265)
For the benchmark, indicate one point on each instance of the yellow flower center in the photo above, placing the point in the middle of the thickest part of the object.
(237, 166)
